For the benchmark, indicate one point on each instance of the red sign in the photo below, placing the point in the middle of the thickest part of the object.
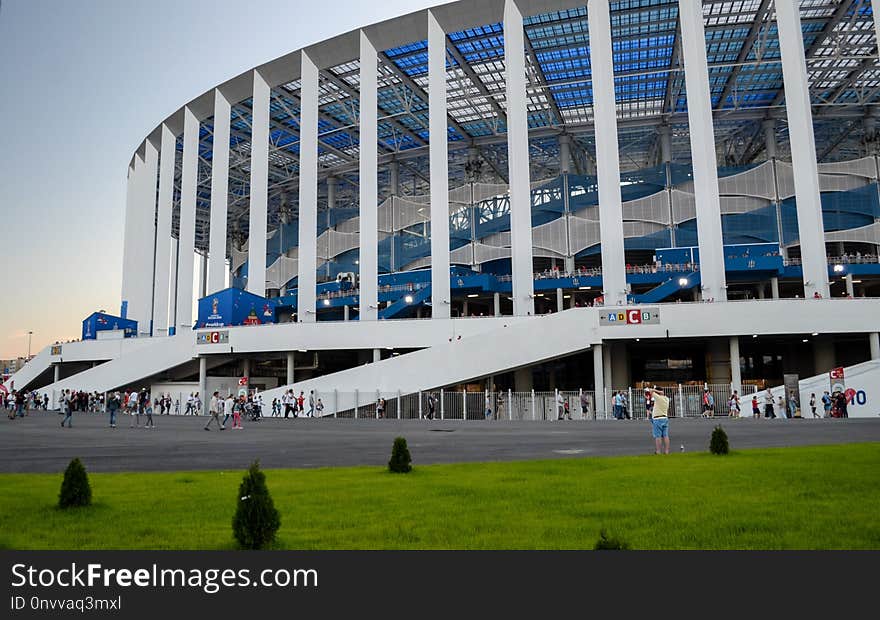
(837, 373)
(243, 381)
(633, 317)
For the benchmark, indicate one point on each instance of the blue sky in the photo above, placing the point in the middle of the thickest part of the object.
(82, 83)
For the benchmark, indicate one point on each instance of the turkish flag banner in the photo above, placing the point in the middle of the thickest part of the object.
(243, 381)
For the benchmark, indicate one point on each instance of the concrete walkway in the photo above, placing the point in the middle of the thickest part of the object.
(37, 443)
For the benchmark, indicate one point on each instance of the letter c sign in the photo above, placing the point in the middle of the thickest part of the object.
(215, 337)
(633, 317)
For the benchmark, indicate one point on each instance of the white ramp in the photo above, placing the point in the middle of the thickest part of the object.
(157, 355)
(462, 358)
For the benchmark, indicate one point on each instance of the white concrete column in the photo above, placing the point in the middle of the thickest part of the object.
(774, 287)
(713, 281)
(369, 183)
(760, 290)
(203, 380)
(377, 355)
(599, 380)
(518, 162)
(219, 194)
(873, 340)
(127, 237)
(290, 367)
(187, 232)
(441, 298)
(735, 371)
(606, 366)
(559, 300)
(496, 301)
(848, 280)
(345, 313)
(811, 230)
(162, 291)
(607, 156)
(259, 200)
(147, 237)
(308, 192)
(57, 372)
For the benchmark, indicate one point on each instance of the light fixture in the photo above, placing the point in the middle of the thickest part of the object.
(390, 348)
(584, 288)
(805, 340)
(815, 333)
(566, 296)
(539, 295)
(473, 295)
(754, 335)
(326, 302)
(357, 262)
(856, 281)
(838, 268)
(638, 339)
(302, 351)
(682, 281)
(408, 299)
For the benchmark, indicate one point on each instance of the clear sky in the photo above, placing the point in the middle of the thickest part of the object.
(81, 84)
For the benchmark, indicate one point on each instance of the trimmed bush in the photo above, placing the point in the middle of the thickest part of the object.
(256, 519)
(400, 458)
(75, 488)
(718, 444)
(614, 544)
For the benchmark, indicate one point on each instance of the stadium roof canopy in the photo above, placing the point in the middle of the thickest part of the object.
(745, 81)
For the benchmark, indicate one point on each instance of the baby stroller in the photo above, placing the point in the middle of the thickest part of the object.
(252, 411)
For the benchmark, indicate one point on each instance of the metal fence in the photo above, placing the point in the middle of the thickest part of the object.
(684, 401)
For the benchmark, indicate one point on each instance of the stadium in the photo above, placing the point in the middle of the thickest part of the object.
(500, 201)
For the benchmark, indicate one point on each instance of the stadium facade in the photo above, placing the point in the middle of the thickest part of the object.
(621, 192)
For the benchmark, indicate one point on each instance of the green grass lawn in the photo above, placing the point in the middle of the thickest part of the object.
(793, 498)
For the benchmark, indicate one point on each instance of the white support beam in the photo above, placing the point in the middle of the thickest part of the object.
(187, 234)
(259, 199)
(713, 283)
(128, 247)
(219, 194)
(369, 182)
(607, 156)
(518, 161)
(811, 230)
(308, 191)
(162, 279)
(439, 161)
(141, 306)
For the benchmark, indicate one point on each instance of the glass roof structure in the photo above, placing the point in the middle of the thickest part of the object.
(745, 77)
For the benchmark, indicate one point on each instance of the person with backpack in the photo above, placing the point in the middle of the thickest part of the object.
(432, 404)
(826, 404)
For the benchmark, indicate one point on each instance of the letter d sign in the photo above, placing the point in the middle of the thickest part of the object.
(18, 602)
(633, 317)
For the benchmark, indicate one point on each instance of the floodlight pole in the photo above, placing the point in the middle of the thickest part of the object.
(30, 333)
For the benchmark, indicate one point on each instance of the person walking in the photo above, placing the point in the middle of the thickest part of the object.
(585, 404)
(380, 408)
(432, 404)
(780, 406)
(112, 407)
(733, 405)
(792, 405)
(134, 409)
(237, 411)
(560, 406)
(227, 410)
(148, 410)
(768, 404)
(566, 409)
(311, 403)
(841, 405)
(756, 412)
(300, 401)
(214, 406)
(319, 408)
(813, 405)
(67, 406)
(660, 421)
(826, 403)
(488, 407)
(708, 404)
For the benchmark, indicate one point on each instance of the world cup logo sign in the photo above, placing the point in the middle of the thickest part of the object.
(214, 303)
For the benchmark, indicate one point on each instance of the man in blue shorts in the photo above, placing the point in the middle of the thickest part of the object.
(660, 420)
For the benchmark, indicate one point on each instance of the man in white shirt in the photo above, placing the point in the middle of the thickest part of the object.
(133, 408)
(214, 409)
(227, 411)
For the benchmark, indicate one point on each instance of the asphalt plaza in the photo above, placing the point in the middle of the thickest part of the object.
(37, 443)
